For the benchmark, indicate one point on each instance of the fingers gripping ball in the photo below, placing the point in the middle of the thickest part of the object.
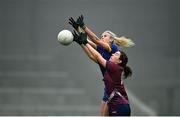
(65, 37)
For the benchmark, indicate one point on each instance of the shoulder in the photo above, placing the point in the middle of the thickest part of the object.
(98, 46)
(114, 47)
(110, 66)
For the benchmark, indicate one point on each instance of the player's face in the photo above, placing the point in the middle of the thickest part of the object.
(106, 37)
(115, 57)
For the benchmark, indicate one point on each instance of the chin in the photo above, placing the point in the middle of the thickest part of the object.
(110, 60)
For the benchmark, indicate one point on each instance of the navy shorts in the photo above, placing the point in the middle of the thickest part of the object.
(119, 110)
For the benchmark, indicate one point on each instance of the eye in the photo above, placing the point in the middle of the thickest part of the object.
(117, 54)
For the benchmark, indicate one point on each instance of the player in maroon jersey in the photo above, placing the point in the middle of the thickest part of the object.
(118, 103)
(106, 46)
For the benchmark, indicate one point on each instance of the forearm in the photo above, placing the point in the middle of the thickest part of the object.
(91, 35)
(93, 51)
(96, 40)
(92, 44)
(97, 55)
(88, 53)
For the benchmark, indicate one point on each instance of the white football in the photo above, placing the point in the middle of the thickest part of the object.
(65, 37)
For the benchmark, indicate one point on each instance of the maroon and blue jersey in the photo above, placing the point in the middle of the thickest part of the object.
(106, 54)
(112, 81)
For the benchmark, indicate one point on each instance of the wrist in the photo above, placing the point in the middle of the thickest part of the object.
(83, 27)
(85, 43)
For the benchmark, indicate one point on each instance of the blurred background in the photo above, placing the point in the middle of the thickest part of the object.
(38, 76)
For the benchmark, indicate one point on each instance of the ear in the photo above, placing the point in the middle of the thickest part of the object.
(111, 39)
(120, 61)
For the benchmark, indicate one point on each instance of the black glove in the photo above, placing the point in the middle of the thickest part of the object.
(77, 38)
(83, 37)
(80, 22)
(73, 23)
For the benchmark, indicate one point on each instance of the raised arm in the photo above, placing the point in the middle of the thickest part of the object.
(89, 50)
(96, 55)
(78, 40)
(92, 35)
(92, 44)
(88, 53)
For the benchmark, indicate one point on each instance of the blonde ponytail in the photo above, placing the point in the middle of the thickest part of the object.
(123, 41)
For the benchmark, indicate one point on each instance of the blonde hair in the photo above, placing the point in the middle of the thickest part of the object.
(121, 41)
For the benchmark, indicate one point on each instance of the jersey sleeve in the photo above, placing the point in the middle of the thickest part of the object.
(114, 48)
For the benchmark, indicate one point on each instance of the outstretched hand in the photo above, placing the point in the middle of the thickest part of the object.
(83, 36)
(77, 38)
(80, 22)
(73, 23)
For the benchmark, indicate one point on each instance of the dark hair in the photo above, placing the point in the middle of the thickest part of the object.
(127, 70)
